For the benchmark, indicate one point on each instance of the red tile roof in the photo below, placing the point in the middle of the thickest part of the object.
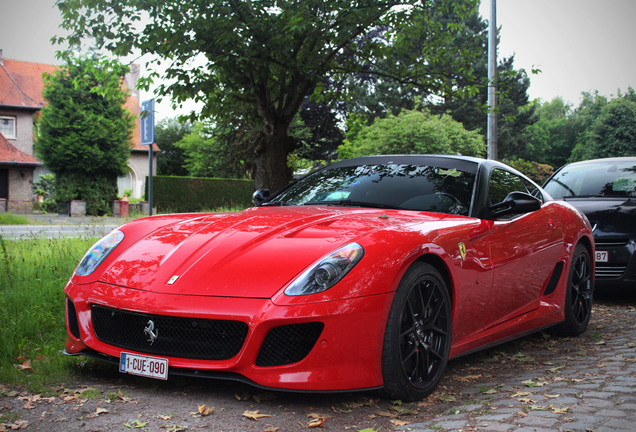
(9, 155)
(21, 83)
(21, 86)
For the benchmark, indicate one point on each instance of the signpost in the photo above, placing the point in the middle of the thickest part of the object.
(148, 138)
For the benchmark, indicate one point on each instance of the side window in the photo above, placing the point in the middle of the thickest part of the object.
(502, 183)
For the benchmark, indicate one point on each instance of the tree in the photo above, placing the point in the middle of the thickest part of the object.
(208, 152)
(171, 161)
(552, 137)
(615, 130)
(84, 131)
(412, 132)
(262, 58)
(607, 128)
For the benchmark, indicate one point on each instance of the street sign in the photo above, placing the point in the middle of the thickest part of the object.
(148, 122)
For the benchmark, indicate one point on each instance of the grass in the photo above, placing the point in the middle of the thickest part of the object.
(13, 219)
(33, 274)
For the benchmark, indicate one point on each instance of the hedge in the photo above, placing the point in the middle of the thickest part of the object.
(191, 194)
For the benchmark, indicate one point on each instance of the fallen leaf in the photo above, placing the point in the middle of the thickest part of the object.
(26, 365)
(316, 421)
(400, 422)
(204, 410)
(174, 428)
(520, 394)
(551, 396)
(165, 417)
(242, 396)
(254, 415)
(136, 424)
(270, 428)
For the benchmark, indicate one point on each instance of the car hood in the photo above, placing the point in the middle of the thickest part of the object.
(612, 218)
(253, 253)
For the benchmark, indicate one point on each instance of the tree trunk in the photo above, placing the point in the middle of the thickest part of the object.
(270, 166)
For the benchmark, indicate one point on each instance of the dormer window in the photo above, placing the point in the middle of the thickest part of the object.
(7, 127)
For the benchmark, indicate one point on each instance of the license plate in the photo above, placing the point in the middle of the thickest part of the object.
(602, 256)
(151, 367)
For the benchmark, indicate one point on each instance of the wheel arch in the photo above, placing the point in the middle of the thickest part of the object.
(439, 265)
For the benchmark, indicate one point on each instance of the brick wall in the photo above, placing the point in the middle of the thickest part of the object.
(20, 190)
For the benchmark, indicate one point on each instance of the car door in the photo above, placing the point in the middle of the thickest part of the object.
(524, 251)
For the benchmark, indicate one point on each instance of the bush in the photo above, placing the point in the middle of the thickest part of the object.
(192, 194)
(536, 171)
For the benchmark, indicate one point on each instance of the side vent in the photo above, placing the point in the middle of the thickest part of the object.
(71, 319)
(554, 279)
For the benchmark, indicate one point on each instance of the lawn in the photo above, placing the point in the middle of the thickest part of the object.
(33, 274)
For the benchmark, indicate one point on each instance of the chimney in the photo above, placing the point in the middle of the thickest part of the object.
(131, 79)
(1, 58)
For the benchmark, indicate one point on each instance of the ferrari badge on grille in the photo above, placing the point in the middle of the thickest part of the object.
(149, 330)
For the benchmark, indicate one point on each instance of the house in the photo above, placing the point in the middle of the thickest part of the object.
(21, 100)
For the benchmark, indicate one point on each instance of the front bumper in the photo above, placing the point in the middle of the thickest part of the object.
(345, 355)
(620, 269)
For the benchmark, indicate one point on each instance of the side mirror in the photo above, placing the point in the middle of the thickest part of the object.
(260, 195)
(515, 203)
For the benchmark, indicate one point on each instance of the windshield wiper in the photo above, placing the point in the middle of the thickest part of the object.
(276, 203)
(349, 203)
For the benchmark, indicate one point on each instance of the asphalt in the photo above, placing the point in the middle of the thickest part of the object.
(55, 226)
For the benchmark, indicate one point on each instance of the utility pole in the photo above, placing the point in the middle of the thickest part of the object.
(492, 89)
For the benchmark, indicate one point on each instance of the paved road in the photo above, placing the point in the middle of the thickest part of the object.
(54, 226)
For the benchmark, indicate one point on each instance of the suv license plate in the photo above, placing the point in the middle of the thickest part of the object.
(602, 256)
(151, 367)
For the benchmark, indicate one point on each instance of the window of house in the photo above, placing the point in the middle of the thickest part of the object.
(7, 127)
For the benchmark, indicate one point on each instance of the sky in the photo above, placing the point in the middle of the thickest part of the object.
(579, 45)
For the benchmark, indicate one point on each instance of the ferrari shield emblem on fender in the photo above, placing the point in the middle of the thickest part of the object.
(462, 250)
(173, 279)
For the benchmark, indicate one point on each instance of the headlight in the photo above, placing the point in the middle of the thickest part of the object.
(327, 272)
(98, 253)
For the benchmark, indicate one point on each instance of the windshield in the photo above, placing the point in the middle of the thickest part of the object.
(393, 185)
(610, 179)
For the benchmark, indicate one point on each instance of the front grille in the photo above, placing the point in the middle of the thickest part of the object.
(607, 272)
(176, 337)
(288, 344)
(71, 319)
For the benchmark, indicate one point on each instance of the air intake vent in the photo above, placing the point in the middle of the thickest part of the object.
(288, 344)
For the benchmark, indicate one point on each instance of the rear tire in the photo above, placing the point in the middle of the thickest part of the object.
(578, 295)
(418, 335)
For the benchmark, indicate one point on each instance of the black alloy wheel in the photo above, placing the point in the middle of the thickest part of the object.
(579, 294)
(418, 335)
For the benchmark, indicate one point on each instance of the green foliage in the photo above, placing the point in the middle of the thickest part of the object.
(171, 160)
(414, 132)
(32, 318)
(45, 186)
(207, 152)
(536, 171)
(615, 129)
(551, 138)
(97, 192)
(187, 194)
(84, 130)
(263, 58)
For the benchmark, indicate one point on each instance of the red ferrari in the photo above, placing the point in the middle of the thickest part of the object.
(368, 273)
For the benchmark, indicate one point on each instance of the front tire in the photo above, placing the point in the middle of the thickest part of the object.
(418, 335)
(578, 295)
